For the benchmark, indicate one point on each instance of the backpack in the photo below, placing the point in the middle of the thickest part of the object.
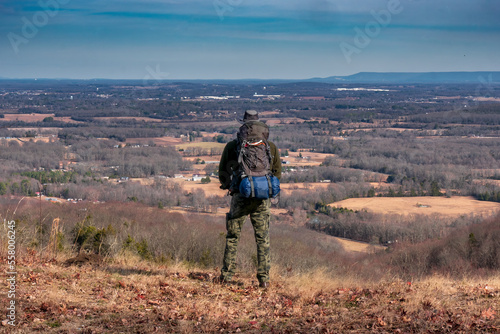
(253, 178)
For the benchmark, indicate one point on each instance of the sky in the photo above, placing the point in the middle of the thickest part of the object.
(241, 39)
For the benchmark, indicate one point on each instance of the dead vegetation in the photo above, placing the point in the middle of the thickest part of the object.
(132, 296)
(156, 270)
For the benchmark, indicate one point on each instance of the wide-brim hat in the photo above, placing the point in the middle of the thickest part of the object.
(250, 115)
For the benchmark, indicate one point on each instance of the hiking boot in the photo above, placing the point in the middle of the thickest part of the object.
(264, 285)
(221, 280)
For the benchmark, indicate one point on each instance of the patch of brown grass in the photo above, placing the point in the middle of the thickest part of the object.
(127, 295)
(454, 206)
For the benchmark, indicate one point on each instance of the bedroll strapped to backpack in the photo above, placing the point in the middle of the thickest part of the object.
(255, 160)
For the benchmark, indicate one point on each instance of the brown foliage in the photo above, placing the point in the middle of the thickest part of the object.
(150, 298)
(473, 250)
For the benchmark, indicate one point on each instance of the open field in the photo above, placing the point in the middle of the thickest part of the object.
(41, 131)
(129, 118)
(29, 118)
(209, 134)
(206, 158)
(307, 159)
(202, 145)
(44, 139)
(487, 99)
(309, 186)
(26, 117)
(191, 124)
(285, 120)
(357, 246)
(210, 189)
(159, 141)
(454, 206)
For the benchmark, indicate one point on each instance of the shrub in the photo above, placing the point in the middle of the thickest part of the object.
(88, 237)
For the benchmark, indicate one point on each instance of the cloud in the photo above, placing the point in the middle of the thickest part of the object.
(122, 37)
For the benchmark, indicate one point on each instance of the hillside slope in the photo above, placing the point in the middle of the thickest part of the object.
(142, 298)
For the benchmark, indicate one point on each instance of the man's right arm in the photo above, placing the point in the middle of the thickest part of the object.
(225, 165)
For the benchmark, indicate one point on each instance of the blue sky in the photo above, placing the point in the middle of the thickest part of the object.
(235, 39)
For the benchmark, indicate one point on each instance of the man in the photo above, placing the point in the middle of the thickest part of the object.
(241, 207)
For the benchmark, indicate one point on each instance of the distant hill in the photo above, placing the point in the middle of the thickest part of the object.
(483, 78)
(415, 77)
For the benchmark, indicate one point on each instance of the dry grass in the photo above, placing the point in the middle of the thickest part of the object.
(29, 118)
(307, 159)
(131, 296)
(159, 141)
(358, 247)
(202, 145)
(284, 120)
(26, 117)
(454, 206)
(21, 142)
(129, 118)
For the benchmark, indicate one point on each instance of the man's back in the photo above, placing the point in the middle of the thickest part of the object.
(229, 162)
(242, 206)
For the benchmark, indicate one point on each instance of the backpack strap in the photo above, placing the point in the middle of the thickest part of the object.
(270, 186)
(252, 187)
(268, 150)
(241, 148)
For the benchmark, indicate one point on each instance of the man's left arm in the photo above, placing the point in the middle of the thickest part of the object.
(276, 167)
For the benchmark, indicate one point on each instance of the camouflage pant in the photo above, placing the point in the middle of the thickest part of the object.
(259, 211)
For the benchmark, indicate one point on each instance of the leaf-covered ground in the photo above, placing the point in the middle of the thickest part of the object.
(142, 298)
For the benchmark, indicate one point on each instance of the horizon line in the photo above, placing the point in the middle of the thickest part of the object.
(246, 79)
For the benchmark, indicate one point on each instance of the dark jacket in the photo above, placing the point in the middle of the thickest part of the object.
(229, 162)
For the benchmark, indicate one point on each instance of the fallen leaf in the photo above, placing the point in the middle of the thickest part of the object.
(44, 307)
(488, 314)
(381, 322)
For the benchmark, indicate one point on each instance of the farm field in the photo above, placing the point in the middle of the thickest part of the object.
(454, 206)
(129, 118)
(287, 120)
(310, 186)
(210, 189)
(28, 118)
(206, 158)
(42, 139)
(159, 141)
(202, 145)
(357, 246)
(305, 159)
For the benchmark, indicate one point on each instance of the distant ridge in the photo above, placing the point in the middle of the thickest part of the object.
(479, 78)
(415, 77)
